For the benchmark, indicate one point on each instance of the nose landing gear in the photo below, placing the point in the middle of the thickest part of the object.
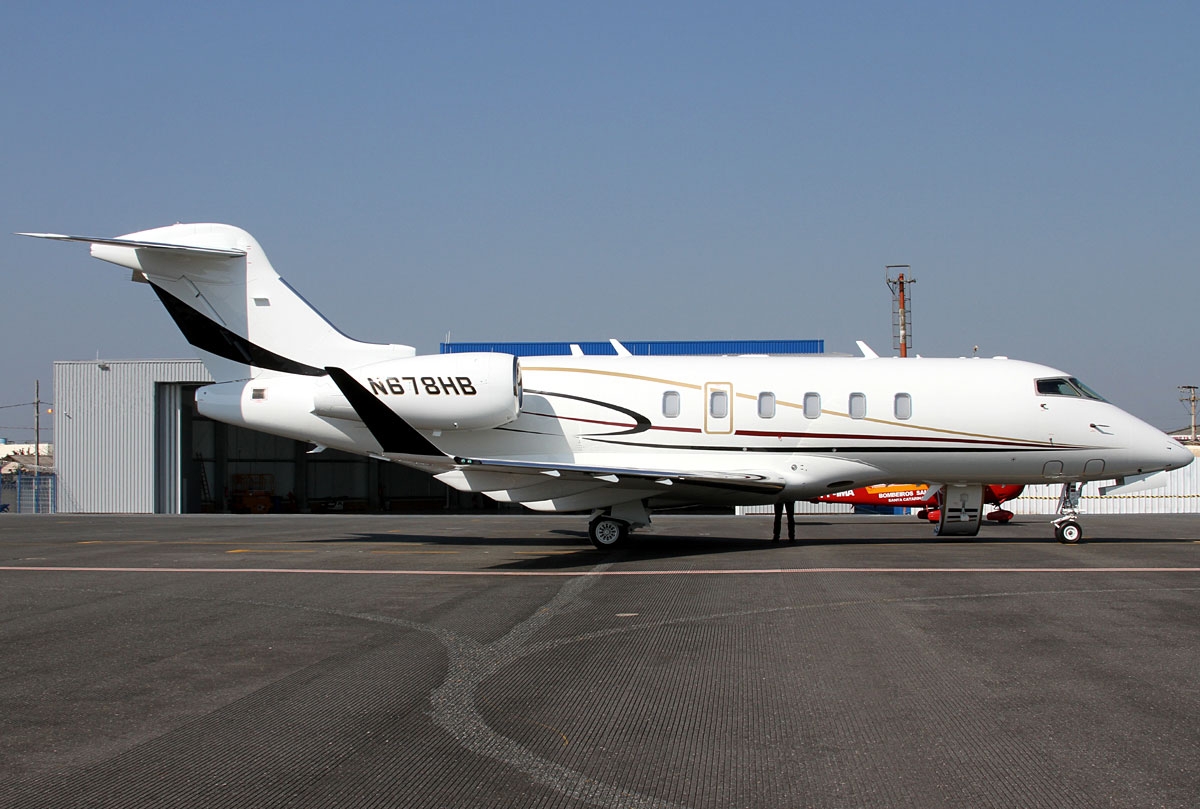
(1067, 529)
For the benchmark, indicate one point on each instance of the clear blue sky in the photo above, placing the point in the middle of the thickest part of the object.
(580, 171)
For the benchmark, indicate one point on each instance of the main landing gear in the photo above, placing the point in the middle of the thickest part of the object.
(609, 529)
(960, 511)
(1067, 529)
(607, 534)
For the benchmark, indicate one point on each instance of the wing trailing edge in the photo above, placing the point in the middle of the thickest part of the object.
(489, 475)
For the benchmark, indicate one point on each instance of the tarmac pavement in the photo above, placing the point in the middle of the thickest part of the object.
(501, 661)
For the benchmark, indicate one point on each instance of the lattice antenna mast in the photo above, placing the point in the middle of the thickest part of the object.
(899, 279)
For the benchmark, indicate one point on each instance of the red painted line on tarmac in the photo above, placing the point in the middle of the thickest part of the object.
(559, 573)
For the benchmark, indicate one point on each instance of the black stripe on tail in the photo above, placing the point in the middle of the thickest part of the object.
(208, 335)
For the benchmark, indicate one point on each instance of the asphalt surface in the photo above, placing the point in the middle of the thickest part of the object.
(341, 661)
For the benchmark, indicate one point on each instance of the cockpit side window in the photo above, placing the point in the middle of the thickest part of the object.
(1055, 387)
(1067, 386)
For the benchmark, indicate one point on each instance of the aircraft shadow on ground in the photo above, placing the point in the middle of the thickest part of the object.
(580, 553)
(566, 549)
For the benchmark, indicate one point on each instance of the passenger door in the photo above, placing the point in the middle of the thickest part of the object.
(718, 408)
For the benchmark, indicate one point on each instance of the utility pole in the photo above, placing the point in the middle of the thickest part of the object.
(1189, 398)
(37, 444)
(37, 423)
(901, 315)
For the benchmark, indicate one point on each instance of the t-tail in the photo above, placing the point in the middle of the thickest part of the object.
(282, 368)
(219, 287)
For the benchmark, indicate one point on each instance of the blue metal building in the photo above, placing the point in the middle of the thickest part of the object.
(647, 348)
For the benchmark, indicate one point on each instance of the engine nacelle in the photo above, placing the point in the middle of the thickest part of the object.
(439, 391)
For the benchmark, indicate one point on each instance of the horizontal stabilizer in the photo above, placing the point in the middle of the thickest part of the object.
(180, 249)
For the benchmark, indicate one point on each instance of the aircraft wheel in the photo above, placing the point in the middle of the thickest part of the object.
(607, 533)
(1068, 532)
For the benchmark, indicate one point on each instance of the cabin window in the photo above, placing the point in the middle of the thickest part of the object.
(671, 404)
(903, 406)
(812, 405)
(258, 393)
(766, 405)
(858, 405)
(718, 404)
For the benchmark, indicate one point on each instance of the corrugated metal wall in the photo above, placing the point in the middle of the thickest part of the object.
(802, 507)
(104, 431)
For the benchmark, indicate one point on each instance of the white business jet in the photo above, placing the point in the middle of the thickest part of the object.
(619, 435)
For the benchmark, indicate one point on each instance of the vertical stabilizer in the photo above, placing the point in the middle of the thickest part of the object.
(219, 287)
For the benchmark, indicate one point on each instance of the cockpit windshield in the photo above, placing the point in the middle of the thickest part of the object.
(1087, 392)
(1067, 386)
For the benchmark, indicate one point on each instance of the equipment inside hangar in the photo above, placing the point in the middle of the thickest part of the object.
(232, 469)
(129, 439)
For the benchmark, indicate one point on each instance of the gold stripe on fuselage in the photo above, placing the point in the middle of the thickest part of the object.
(796, 406)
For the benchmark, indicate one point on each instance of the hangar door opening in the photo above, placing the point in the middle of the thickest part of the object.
(206, 466)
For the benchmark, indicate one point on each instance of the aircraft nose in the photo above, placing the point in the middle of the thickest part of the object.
(1177, 455)
(1157, 451)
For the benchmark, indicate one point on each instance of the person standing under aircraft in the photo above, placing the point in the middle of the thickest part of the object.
(791, 514)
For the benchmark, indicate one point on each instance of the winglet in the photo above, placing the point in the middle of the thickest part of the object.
(621, 350)
(866, 350)
(393, 433)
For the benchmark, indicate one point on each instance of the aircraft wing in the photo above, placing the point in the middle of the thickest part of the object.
(575, 487)
(759, 483)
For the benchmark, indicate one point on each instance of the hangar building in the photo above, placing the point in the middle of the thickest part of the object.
(129, 439)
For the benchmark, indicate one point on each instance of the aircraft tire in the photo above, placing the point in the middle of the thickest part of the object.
(607, 534)
(1068, 532)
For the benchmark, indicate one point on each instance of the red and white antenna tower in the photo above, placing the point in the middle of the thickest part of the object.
(901, 305)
